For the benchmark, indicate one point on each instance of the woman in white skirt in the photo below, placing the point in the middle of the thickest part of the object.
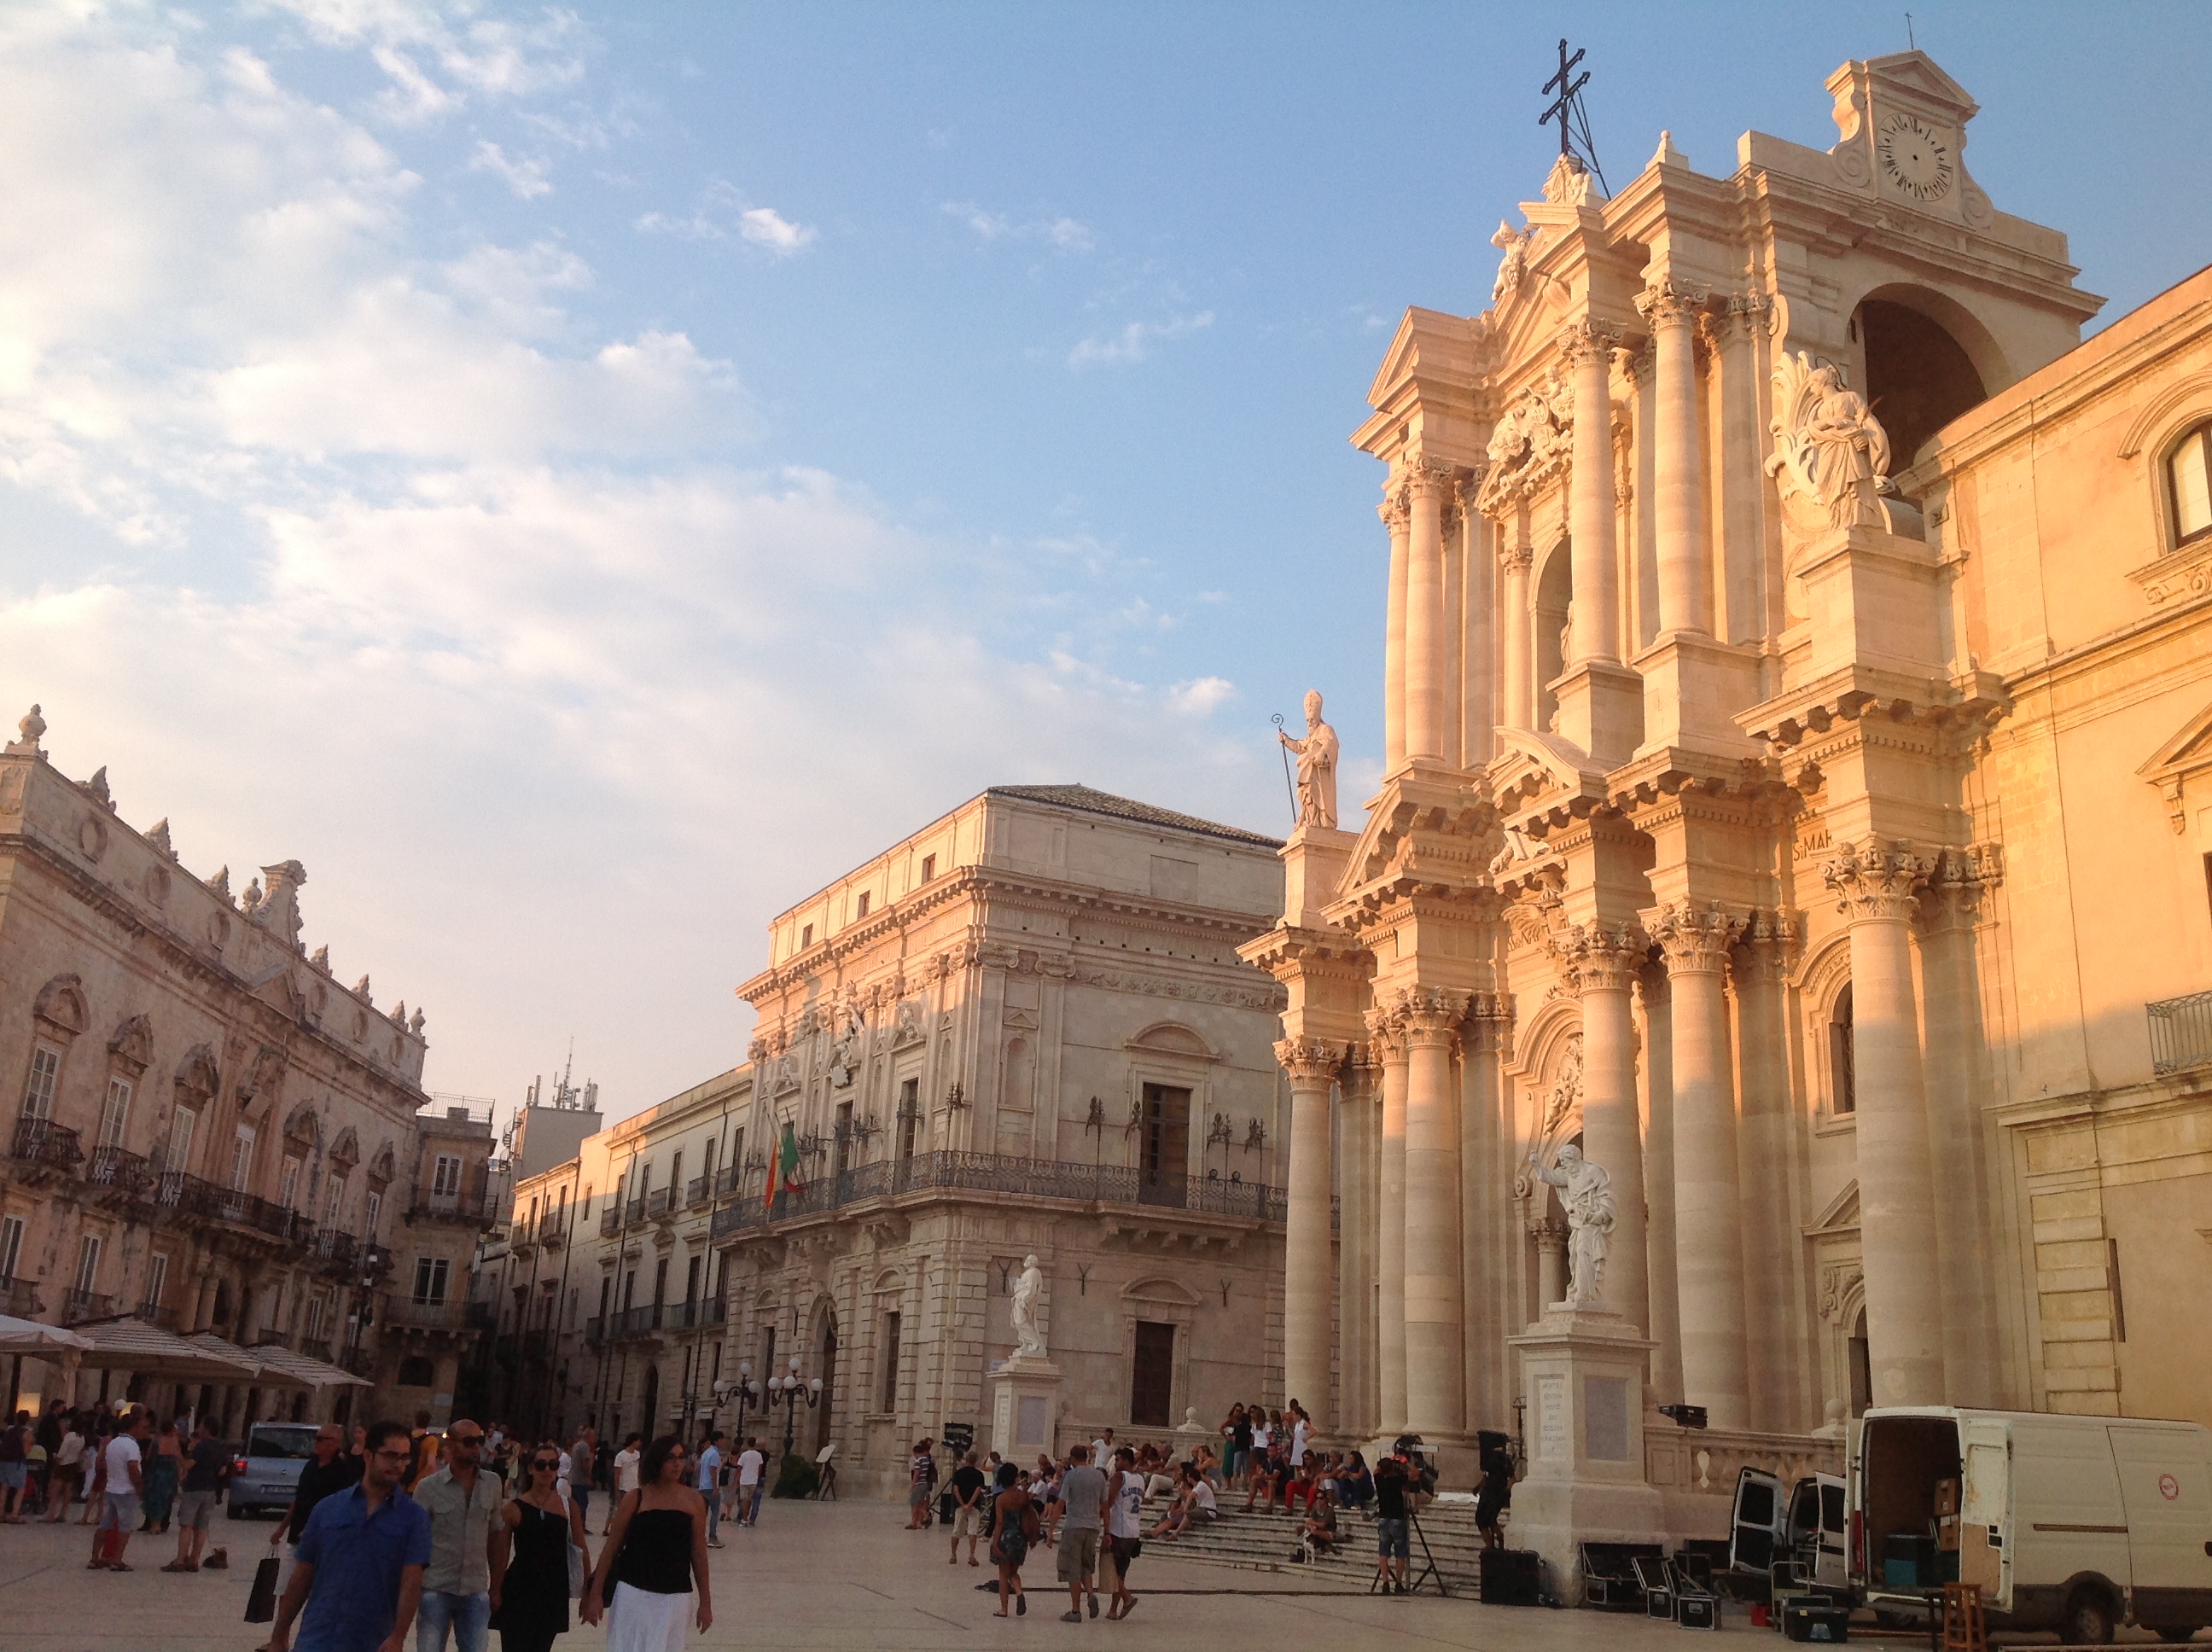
(654, 1558)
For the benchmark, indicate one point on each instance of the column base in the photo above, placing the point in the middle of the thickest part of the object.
(1583, 1372)
(1024, 1405)
(1600, 710)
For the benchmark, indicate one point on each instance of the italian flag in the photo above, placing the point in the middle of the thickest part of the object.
(783, 1168)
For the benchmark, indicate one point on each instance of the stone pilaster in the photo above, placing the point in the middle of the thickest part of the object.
(1429, 489)
(1436, 1374)
(1519, 670)
(1874, 883)
(1684, 580)
(1762, 957)
(1309, 1266)
(1356, 1247)
(1486, 1178)
(1388, 1045)
(1398, 518)
(1595, 635)
(1696, 937)
(1655, 998)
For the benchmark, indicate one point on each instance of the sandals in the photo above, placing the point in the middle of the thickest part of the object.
(176, 1565)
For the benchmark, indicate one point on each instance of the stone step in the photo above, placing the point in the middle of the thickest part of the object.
(1260, 1542)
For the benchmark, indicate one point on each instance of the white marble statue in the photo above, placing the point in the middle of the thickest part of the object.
(1317, 766)
(1586, 1190)
(1831, 457)
(1029, 1335)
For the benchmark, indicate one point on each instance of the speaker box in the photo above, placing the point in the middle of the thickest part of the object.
(1511, 1577)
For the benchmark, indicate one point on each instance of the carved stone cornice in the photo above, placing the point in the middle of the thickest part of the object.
(1695, 935)
(1586, 342)
(1876, 881)
(1601, 958)
(1311, 1062)
(1488, 1028)
(1767, 948)
(1951, 895)
(1670, 303)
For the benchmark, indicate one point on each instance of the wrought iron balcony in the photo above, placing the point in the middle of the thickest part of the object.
(154, 1314)
(695, 1192)
(694, 1316)
(657, 1202)
(636, 1210)
(1001, 1173)
(610, 1221)
(131, 1174)
(2180, 1032)
(316, 1348)
(78, 1306)
(726, 1179)
(18, 1299)
(43, 1142)
(338, 1248)
(474, 1209)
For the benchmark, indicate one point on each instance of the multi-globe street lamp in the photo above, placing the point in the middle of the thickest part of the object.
(789, 1392)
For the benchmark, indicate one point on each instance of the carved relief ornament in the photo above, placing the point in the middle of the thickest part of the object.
(1875, 880)
(1596, 957)
(1531, 443)
(1312, 1062)
(1695, 935)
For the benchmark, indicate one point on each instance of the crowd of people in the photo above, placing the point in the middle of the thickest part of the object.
(1097, 1505)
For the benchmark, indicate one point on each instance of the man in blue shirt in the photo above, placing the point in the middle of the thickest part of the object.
(710, 1472)
(359, 1564)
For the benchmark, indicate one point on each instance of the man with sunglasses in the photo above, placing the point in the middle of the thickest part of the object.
(359, 1570)
(463, 1504)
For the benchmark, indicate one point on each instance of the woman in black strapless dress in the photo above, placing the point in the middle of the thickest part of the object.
(530, 1559)
(655, 1560)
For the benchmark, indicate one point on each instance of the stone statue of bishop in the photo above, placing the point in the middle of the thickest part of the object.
(1317, 766)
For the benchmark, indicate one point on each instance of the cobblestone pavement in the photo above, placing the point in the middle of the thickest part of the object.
(812, 1576)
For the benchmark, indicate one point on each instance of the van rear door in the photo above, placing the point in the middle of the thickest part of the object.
(1985, 1548)
(1829, 1560)
(1757, 1534)
(2167, 1491)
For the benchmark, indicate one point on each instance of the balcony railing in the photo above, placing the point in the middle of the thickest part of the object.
(695, 1192)
(636, 1210)
(2180, 1032)
(726, 1178)
(127, 1173)
(693, 1315)
(1107, 1184)
(175, 1190)
(154, 1314)
(447, 1315)
(658, 1201)
(316, 1348)
(18, 1299)
(79, 1306)
(610, 1221)
(473, 1209)
(335, 1247)
(43, 1142)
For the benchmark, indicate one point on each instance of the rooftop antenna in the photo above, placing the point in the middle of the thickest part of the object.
(1567, 109)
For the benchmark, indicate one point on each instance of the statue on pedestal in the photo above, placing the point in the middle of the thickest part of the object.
(1317, 766)
(1586, 1190)
(1029, 1335)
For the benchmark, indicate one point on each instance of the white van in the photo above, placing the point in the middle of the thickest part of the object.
(1805, 1526)
(2072, 1523)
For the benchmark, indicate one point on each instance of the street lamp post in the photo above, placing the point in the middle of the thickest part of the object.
(745, 1390)
(790, 1392)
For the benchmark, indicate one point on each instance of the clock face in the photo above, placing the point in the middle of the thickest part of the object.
(1915, 157)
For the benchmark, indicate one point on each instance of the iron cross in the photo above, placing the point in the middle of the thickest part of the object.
(1566, 90)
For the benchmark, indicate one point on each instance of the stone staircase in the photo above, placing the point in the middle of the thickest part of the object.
(1264, 1543)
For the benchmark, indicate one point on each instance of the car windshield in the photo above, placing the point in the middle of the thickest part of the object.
(282, 1442)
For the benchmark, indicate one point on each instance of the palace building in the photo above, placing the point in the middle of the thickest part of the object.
(1024, 1029)
(1798, 795)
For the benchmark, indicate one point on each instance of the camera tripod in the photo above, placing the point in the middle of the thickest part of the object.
(1428, 1574)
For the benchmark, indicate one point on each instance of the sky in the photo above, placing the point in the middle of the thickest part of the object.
(581, 479)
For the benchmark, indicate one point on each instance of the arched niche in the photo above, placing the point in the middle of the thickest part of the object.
(1554, 596)
(132, 1045)
(1927, 359)
(60, 1004)
(1172, 1038)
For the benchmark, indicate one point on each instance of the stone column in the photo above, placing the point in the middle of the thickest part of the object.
(1485, 1175)
(1950, 905)
(1666, 1328)
(1594, 632)
(1309, 1267)
(1874, 883)
(1396, 517)
(1686, 602)
(1390, 1227)
(1355, 1295)
(1478, 622)
(1516, 622)
(1605, 960)
(1428, 482)
(1436, 1370)
(1696, 937)
(1551, 1262)
(1746, 569)
(1763, 1150)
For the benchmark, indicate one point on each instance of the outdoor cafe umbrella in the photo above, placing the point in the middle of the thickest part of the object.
(144, 1349)
(314, 1373)
(266, 1372)
(37, 1340)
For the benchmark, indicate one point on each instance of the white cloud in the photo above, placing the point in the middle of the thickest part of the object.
(1134, 342)
(435, 55)
(721, 216)
(766, 227)
(399, 563)
(1069, 235)
(525, 177)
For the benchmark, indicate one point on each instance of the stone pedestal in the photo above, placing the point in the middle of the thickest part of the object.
(1025, 1403)
(1582, 1372)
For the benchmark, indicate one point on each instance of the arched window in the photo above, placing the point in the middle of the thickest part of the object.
(2189, 477)
(1843, 1079)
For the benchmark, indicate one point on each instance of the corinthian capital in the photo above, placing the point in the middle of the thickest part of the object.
(1386, 1038)
(1585, 342)
(1431, 478)
(1695, 936)
(1395, 510)
(1874, 880)
(1670, 303)
(1764, 951)
(1309, 1062)
(1427, 1015)
(1599, 959)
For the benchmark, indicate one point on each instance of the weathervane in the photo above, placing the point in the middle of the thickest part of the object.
(1575, 144)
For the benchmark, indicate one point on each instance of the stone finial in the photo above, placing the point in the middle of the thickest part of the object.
(322, 959)
(98, 787)
(360, 990)
(1667, 154)
(415, 1022)
(399, 1013)
(30, 728)
(219, 885)
(1569, 182)
(158, 837)
(250, 903)
(280, 909)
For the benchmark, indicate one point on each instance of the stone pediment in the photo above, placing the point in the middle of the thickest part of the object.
(1545, 771)
(1431, 349)
(1916, 75)
(1442, 830)
(1840, 1216)
(2170, 768)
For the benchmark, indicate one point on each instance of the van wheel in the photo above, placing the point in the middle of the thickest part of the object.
(2088, 1620)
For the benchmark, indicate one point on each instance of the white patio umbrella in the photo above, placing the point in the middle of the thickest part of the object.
(39, 1341)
